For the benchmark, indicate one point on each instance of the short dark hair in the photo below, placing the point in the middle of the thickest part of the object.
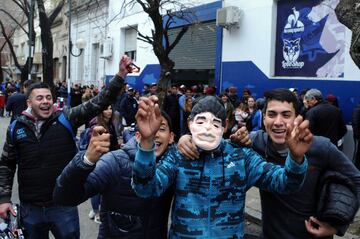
(282, 95)
(27, 83)
(168, 119)
(37, 85)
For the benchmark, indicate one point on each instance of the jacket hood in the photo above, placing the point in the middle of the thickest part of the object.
(263, 145)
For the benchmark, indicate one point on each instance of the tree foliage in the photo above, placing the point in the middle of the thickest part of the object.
(348, 13)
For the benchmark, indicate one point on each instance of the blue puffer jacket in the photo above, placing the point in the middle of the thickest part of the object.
(123, 214)
(210, 192)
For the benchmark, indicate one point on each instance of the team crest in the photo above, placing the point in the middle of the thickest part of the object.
(20, 134)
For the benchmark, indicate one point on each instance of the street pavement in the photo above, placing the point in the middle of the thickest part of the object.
(88, 228)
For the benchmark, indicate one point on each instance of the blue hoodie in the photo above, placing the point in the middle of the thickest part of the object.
(210, 192)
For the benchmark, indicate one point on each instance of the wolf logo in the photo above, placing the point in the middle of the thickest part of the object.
(291, 50)
(291, 53)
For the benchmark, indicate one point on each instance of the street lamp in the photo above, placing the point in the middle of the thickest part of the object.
(80, 44)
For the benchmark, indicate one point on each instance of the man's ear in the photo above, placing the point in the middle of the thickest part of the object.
(28, 103)
(189, 122)
(137, 136)
(171, 140)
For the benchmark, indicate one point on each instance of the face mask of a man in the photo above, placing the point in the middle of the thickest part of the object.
(206, 130)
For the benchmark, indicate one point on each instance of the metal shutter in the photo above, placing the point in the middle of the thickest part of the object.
(197, 48)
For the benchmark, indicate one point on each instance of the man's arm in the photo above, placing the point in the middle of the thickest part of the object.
(271, 177)
(7, 171)
(83, 113)
(148, 179)
(84, 177)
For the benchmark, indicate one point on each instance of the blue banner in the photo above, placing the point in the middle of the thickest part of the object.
(310, 41)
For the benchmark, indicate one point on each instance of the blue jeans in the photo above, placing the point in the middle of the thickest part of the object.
(95, 202)
(63, 222)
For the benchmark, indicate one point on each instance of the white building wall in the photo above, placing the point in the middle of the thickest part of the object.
(90, 25)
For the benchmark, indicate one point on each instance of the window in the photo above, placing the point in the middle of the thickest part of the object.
(131, 43)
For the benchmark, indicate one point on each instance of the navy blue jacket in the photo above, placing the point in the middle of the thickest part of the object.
(123, 214)
(283, 216)
(16, 103)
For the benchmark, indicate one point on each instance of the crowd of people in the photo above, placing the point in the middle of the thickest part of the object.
(198, 152)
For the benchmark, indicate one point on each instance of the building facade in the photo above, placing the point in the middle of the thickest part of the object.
(260, 45)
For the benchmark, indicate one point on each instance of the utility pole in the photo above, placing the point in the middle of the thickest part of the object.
(69, 55)
(31, 31)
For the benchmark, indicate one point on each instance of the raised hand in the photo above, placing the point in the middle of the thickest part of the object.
(148, 118)
(299, 138)
(99, 144)
(187, 147)
(241, 137)
(123, 66)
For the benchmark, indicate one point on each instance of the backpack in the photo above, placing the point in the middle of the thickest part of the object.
(62, 120)
(84, 139)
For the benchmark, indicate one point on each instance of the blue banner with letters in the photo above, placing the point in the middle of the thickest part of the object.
(310, 41)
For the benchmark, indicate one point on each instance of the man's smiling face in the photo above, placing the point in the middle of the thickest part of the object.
(278, 114)
(163, 138)
(41, 102)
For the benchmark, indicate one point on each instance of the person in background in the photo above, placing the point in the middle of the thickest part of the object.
(251, 103)
(187, 111)
(2, 103)
(319, 115)
(128, 107)
(182, 99)
(332, 100)
(16, 103)
(171, 106)
(241, 114)
(152, 89)
(229, 114)
(76, 95)
(233, 97)
(105, 120)
(256, 119)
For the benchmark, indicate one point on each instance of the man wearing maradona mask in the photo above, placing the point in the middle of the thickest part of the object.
(210, 192)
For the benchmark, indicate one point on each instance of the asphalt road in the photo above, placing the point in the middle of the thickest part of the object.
(88, 228)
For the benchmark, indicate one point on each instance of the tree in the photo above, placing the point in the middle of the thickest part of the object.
(3, 45)
(163, 14)
(47, 40)
(45, 23)
(348, 13)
